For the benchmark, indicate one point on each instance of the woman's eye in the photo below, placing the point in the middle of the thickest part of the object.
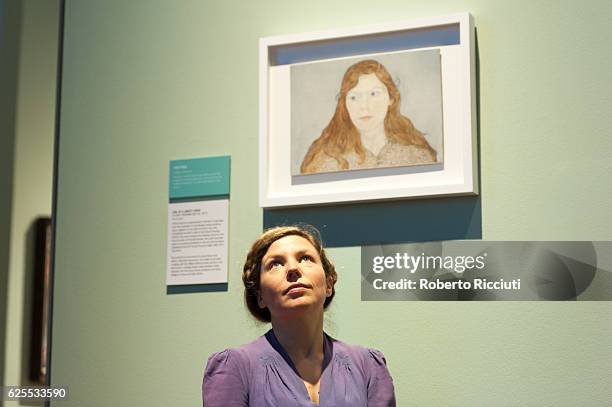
(274, 264)
(352, 98)
(375, 93)
(306, 259)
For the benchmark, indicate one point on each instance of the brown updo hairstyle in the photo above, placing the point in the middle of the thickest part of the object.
(252, 266)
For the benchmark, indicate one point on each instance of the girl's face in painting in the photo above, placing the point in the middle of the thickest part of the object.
(367, 103)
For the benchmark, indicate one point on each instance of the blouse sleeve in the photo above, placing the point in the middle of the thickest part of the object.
(380, 386)
(223, 383)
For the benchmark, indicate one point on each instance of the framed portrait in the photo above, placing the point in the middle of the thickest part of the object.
(380, 112)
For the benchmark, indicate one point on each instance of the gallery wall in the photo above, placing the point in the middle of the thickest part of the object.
(150, 81)
(10, 17)
(28, 118)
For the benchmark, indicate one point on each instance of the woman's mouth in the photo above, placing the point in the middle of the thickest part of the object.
(296, 288)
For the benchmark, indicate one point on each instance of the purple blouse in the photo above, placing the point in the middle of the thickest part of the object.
(261, 374)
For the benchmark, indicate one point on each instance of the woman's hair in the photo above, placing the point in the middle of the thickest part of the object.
(252, 266)
(341, 136)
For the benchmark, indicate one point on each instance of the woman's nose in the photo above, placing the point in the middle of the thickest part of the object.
(293, 271)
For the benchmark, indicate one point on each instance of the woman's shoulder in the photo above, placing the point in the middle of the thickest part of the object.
(227, 375)
(237, 357)
(365, 356)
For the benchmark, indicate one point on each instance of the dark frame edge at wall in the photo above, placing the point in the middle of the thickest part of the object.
(56, 153)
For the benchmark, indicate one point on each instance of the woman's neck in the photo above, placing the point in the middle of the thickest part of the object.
(302, 338)
(375, 139)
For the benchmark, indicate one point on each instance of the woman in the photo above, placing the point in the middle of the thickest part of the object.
(289, 281)
(367, 129)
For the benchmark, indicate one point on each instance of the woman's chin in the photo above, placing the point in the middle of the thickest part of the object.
(296, 307)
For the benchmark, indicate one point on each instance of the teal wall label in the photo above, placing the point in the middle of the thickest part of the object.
(199, 177)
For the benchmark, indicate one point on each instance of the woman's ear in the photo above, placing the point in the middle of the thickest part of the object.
(329, 281)
(260, 300)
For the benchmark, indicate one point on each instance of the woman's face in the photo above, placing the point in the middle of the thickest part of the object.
(367, 103)
(292, 278)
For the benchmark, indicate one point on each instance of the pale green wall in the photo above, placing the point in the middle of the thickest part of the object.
(150, 81)
(32, 158)
(10, 20)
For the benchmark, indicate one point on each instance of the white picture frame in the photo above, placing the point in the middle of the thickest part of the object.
(458, 173)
